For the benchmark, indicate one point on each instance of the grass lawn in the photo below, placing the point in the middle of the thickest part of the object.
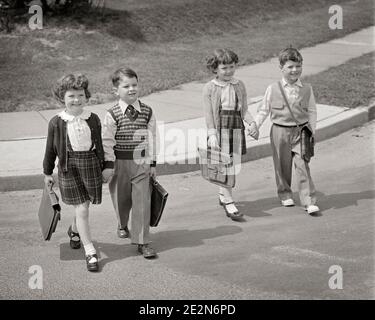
(164, 41)
(348, 85)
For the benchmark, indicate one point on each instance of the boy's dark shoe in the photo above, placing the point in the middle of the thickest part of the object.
(123, 232)
(147, 251)
(92, 266)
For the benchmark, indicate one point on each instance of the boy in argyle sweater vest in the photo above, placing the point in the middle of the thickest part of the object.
(285, 134)
(129, 136)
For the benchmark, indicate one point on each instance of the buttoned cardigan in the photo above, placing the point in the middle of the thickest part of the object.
(212, 100)
(56, 145)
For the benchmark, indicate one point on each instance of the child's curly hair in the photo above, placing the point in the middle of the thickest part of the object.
(70, 82)
(220, 56)
(291, 54)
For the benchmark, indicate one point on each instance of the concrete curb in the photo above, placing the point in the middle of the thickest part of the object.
(328, 128)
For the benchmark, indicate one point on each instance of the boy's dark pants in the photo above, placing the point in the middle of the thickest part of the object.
(130, 189)
(285, 144)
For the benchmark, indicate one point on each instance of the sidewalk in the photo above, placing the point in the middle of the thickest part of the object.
(179, 115)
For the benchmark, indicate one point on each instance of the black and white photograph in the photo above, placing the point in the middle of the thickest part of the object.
(187, 155)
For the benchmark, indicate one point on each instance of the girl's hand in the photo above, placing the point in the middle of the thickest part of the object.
(153, 172)
(48, 181)
(253, 131)
(107, 174)
(212, 142)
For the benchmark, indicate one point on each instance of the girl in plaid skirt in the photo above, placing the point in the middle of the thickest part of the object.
(74, 136)
(225, 108)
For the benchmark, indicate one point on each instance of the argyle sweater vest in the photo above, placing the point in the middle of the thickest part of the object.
(131, 136)
(279, 111)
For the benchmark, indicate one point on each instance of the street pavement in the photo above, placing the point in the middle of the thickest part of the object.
(275, 253)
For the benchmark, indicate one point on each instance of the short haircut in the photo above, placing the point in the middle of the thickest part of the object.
(289, 54)
(122, 72)
(70, 82)
(220, 56)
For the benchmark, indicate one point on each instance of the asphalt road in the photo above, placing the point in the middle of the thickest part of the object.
(275, 253)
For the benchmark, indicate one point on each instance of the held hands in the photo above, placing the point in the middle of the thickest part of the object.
(253, 131)
(107, 174)
(212, 142)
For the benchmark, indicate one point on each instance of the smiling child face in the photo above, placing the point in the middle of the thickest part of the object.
(74, 101)
(127, 89)
(291, 71)
(225, 72)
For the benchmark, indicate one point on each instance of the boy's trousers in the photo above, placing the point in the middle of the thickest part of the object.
(285, 144)
(130, 189)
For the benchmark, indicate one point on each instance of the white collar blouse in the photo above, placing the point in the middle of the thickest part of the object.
(78, 130)
(228, 94)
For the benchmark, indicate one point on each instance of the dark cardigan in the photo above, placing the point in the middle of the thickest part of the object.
(57, 142)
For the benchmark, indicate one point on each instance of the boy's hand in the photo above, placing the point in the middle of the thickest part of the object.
(48, 180)
(107, 174)
(153, 172)
(253, 131)
(212, 142)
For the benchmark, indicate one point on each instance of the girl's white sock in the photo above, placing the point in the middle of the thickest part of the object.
(90, 250)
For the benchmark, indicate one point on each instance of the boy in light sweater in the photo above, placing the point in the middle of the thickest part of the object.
(285, 134)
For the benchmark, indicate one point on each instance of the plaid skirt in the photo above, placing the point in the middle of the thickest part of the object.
(83, 180)
(232, 132)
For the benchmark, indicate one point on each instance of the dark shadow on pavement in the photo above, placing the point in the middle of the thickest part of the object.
(162, 241)
(115, 252)
(167, 240)
(118, 251)
(110, 250)
(68, 254)
(258, 208)
(342, 200)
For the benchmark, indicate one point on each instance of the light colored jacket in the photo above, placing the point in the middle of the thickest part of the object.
(211, 99)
